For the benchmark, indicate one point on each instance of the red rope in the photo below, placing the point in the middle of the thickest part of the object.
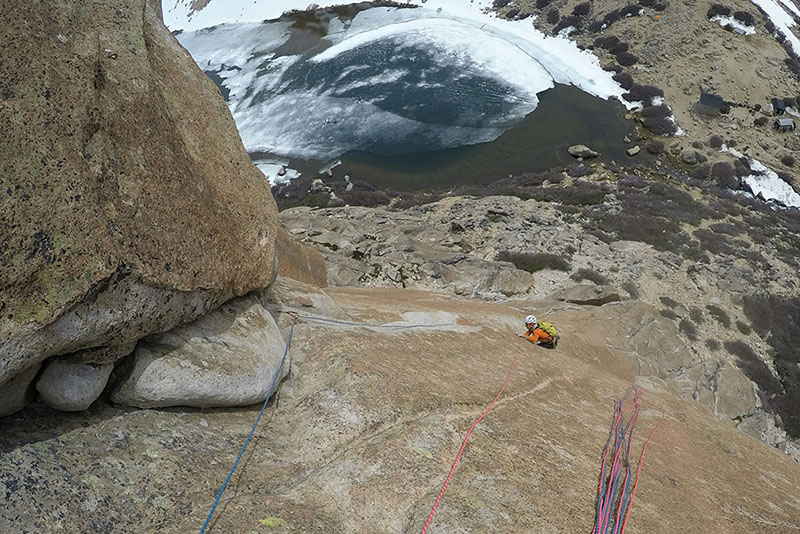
(638, 471)
(464, 444)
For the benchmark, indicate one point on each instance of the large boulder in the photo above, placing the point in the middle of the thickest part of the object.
(228, 358)
(129, 204)
(72, 386)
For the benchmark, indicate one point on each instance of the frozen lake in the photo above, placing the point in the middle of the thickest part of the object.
(415, 97)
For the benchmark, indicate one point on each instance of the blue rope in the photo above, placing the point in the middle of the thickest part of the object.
(269, 394)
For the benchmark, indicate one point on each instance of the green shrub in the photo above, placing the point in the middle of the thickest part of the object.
(669, 314)
(712, 344)
(745, 18)
(688, 329)
(588, 274)
(655, 147)
(666, 301)
(696, 315)
(660, 125)
(719, 314)
(718, 9)
(631, 288)
(533, 262)
(624, 79)
(581, 9)
(754, 367)
(743, 327)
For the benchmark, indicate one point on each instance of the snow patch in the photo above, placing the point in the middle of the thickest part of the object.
(767, 184)
(723, 21)
(776, 11)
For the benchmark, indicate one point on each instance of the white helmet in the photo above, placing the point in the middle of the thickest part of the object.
(531, 319)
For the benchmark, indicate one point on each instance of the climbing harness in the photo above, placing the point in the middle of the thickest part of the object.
(612, 488)
(269, 394)
(464, 444)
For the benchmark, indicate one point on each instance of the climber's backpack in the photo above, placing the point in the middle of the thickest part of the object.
(549, 328)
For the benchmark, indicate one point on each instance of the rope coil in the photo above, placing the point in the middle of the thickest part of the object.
(613, 488)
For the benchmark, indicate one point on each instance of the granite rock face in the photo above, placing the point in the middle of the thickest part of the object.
(124, 183)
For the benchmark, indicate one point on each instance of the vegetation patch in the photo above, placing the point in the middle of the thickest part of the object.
(631, 288)
(533, 262)
(744, 328)
(589, 274)
(719, 314)
(688, 329)
(718, 10)
(642, 93)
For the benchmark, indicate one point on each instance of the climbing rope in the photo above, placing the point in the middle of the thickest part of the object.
(615, 488)
(400, 326)
(241, 452)
(464, 444)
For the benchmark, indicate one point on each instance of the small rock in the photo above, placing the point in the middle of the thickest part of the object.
(632, 151)
(675, 148)
(110, 54)
(582, 151)
(689, 157)
(627, 139)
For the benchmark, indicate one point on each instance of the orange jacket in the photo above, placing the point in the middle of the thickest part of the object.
(537, 334)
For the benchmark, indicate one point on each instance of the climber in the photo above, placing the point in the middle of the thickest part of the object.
(540, 332)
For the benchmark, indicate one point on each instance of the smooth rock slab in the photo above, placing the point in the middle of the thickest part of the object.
(72, 387)
(227, 358)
